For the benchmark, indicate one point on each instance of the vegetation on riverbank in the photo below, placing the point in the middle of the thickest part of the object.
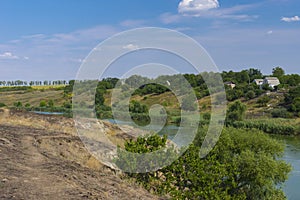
(243, 165)
(245, 162)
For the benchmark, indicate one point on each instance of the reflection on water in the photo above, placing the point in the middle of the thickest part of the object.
(291, 155)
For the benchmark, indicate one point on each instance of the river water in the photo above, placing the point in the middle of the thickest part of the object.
(291, 155)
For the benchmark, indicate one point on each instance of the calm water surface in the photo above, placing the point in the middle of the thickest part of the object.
(292, 156)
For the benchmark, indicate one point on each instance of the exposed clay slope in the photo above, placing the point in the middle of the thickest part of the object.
(36, 163)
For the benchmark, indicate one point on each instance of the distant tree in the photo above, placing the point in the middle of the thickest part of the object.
(43, 103)
(262, 101)
(136, 81)
(18, 104)
(254, 74)
(27, 105)
(290, 80)
(242, 77)
(250, 94)
(236, 112)
(136, 107)
(2, 105)
(292, 95)
(280, 113)
(67, 105)
(206, 116)
(51, 103)
(189, 103)
(99, 98)
(278, 72)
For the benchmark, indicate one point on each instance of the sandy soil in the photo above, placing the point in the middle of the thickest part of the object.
(44, 163)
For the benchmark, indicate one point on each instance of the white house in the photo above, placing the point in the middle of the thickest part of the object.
(272, 81)
(259, 81)
(230, 84)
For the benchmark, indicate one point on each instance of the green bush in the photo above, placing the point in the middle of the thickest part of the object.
(206, 116)
(267, 127)
(43, 103)
(18, 104)
(281, 113)
(264, 100)
(243, 165)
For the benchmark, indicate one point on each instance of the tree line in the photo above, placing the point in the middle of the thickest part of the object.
(33, 83)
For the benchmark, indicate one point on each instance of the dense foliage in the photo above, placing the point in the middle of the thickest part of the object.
(236, 112)
(266, 127)
(243, 165)
(292, 100)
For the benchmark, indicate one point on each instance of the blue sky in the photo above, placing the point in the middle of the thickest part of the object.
(49, 39)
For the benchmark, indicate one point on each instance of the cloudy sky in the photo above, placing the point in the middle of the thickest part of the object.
(49, 39)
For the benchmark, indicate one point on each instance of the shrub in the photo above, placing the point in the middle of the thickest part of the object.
(250, 94)
(266, 127)
(280, 113)
(262, 101)
(243, 165)
(236, 112)
(43, 103)
(206, 116)
(18, 104)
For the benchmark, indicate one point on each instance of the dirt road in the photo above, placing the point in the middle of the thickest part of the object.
(40, 164)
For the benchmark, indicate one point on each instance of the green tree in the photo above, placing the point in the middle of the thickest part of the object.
(206, 116)
(189, 103)
(278, 72)
(236, 111)
(51, 103)
(254, 74)
(43, 103)
(243, 165)
(292, 99)
(264, 100)
(99, 97)
(136, 107)
(250, 94)
(27, 105)
(18, 104)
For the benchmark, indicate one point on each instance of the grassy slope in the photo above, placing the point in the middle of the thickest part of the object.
(168, 100)
(32, 97)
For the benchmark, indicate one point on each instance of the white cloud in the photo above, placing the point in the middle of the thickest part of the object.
(196, 6)
(270, 32)
(131, 47)
(8, 55)
(290, 19)
(209, 9)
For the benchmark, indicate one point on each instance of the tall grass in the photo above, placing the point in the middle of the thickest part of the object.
(271, 126)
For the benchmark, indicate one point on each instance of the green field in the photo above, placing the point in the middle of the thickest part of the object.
(33, 97)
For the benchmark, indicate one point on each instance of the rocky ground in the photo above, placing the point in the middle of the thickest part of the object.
(42, 158)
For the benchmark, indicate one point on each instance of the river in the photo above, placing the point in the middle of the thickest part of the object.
(291, 155)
